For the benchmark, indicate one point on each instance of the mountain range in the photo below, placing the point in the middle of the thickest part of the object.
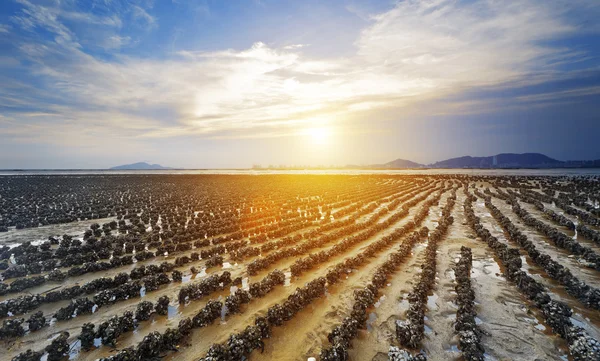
(140, 166)
(502, 160)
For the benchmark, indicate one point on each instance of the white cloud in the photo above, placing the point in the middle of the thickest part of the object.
(116, 42)
(563, 94)
(140, 14)
(418, 50)
(294, 46)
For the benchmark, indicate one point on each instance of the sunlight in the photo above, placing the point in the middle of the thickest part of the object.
(319, 135)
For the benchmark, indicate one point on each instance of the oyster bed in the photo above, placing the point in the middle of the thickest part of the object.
(299, 267)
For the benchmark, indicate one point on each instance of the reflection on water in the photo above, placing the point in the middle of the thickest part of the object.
(38, 235)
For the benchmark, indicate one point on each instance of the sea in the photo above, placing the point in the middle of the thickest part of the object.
(416, 171)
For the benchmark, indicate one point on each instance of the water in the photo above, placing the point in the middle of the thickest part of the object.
(379, 301)
(371, 321)
(172, 311)
(38, 235)
(486, 266)
(424, 171)
(432, 302)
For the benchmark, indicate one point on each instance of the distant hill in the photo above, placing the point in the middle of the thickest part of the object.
(398, 163)
(140, 166)
(503, 160)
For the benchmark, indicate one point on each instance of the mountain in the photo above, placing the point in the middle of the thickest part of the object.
(398, 163)
(140, 166)
(503, 160)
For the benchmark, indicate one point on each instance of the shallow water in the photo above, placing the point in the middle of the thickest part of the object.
(40, 234)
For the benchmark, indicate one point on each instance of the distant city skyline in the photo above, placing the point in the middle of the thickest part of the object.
(219, 84)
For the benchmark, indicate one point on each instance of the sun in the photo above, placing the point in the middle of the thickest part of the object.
(319, 135)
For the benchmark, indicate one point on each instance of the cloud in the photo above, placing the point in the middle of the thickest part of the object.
(140, 14)
(116, 42)
(113, 20)
(4, 28)
(418, 51)
(34, 14)
(562, 94)
(294, 46)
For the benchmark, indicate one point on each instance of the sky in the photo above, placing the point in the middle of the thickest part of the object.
(231, 83)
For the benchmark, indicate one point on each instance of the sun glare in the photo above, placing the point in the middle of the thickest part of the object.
(319, 135)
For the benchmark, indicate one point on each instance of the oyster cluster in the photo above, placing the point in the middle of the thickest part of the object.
(316, 239)
(341, 336)
(12, 328)
(120, 287)
(587, 294)
(557, 314)
(560, 239)
(109, 331)
(144, 310)
(468, 332)
(214, 261)
(162, 305)
(205, 287)
(36, 321)
(367, 229)
(58, 348)
(87, 336)
(234, 302)
(28, 355)
(274, 278)
(208, 314)
(238, 346)
(397, 354)
(410, 332)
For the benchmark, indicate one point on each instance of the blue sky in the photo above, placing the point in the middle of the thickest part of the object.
(212, 84)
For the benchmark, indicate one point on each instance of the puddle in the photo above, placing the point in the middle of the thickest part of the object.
(431, 302)
(486, 267)
(403, 303)
(172, 311)
(371, 320)
(453, 349)
(223, 314)
(378, 303)
(428, 330)
(74, 350)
